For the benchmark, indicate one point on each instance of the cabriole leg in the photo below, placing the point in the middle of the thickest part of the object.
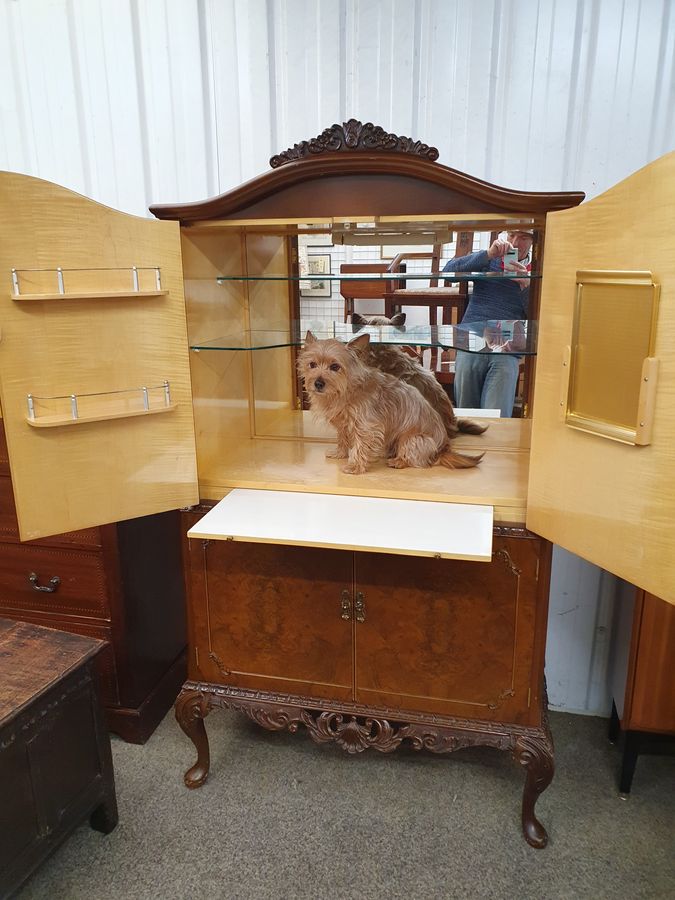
(192, 707)
(535, 754)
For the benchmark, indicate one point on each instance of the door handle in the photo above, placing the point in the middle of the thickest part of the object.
(360, 607)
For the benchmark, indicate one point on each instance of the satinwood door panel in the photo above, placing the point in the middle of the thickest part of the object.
(94, 374)
(607, 501)
(272, 618)
(448, 636)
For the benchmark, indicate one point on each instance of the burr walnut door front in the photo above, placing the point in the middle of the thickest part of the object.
(452, 637)
(272, 617)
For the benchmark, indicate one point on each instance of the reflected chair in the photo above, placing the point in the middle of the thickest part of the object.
(355, 289)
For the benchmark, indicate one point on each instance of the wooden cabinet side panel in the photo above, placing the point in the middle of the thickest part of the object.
(653, 691)
(149, 561)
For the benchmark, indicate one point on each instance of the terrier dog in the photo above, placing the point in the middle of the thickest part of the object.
(376, 415)
(396, 320)
(395, 361)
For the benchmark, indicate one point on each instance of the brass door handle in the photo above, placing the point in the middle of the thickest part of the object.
(360, 607)
(346, 605)
(44, 588)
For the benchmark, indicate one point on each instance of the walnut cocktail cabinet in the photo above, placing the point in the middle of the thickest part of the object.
(371, 650)
(147, 364)
(120, 583)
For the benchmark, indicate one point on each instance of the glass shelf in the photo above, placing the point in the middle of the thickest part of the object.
(383, 276)
(516, 337)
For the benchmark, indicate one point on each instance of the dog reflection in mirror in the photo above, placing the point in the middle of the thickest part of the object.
(375, 414)
(397, 320)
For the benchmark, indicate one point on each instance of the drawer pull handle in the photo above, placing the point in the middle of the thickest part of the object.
(44, 588)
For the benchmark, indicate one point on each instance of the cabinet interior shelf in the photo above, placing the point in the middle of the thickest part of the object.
(90, 283)
(55, 421)
(491, 336)
(100, 406)
(92, 295)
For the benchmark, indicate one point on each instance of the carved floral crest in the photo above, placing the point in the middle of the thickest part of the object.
(353, 135)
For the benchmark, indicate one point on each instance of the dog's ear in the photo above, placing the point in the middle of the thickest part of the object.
(357, 319)
(398, 319)
(358, 344)
(309, 338)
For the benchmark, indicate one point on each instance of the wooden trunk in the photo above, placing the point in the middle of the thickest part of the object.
(55, 762)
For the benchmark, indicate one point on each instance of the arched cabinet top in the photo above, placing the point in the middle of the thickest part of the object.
(360, 170)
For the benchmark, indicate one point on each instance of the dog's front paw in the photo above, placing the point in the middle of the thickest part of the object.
(336, 454)
(353, 469)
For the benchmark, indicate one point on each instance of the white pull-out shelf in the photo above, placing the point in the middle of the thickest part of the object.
(381, 525)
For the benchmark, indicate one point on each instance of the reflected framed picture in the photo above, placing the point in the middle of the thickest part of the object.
(317, 264)
(317, 240)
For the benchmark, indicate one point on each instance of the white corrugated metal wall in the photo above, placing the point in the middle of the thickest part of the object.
(134, 102)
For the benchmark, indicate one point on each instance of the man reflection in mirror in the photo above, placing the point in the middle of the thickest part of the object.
(488, 380)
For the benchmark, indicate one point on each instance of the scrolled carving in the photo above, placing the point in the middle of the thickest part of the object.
(353, 135)
(509, 692)
(272, 719)
(350, 734)
(221, 665)
(435, 741)
(508, 562)
(516, 531)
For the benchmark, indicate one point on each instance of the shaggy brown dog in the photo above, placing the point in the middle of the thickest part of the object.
(395, 361)
(397, 320)
(375, 414)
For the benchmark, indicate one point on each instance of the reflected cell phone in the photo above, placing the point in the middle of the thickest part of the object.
(510, 257)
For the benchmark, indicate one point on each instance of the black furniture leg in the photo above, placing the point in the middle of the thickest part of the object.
(631, 750)
(614, 725)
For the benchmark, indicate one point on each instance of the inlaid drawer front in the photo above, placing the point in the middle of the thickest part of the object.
(51, 580)
(9, 527)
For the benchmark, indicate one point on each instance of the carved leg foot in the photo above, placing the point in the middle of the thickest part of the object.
(191, 709)
(104, 817)
(535, 754)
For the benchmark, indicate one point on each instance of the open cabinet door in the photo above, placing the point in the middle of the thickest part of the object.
(602, 468)
(94, 371)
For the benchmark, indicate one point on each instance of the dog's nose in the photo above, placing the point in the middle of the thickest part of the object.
(319, 384)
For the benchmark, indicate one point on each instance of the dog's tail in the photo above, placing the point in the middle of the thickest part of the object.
(453, 425)
(466, 426)
(452, 460)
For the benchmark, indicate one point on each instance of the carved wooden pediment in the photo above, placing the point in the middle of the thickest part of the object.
(354, 135)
